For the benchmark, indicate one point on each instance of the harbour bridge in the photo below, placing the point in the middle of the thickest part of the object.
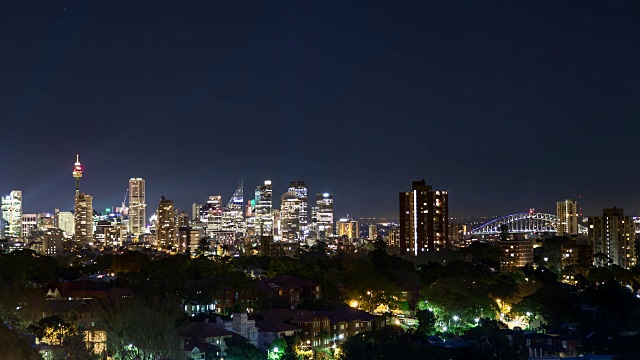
(523, 223)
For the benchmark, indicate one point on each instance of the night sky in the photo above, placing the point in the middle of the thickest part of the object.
(508, 105)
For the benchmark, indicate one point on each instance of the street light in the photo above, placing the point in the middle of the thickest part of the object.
(273, 354)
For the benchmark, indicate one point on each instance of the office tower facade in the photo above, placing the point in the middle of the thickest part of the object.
(211, 214)
(166, 227)
(83, 219)
(324, 215)
(137, 208)
(299, 188)
(233, 215)
(348, 228)
(290, 217)
(264, 208)
(12, 214)
(63, 220)
(612, 238)
(45, 221)
(424, 219)
(29, 223)
(567, 212)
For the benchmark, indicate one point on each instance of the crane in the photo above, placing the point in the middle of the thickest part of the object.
(123, 209)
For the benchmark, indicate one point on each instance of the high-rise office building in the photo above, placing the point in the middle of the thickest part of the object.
(290, 217)
(233, 215)
(324, 215)
(83, 219)
(567, 212)
(612, 238)
(29, 223)
(82, 210)
(12, 214)
(299, 188)
(63, 220)
(166, 227)
(211, 214)
(137, 208)
(264, 207)
(45, 221)
(424, 219)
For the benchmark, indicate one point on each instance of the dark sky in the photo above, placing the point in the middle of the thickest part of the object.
(506, 104)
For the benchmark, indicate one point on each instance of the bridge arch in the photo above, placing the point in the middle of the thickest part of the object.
(522, 223)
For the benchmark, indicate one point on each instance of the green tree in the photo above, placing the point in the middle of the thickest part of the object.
(147, 327)
(427, 322)
(242, 350)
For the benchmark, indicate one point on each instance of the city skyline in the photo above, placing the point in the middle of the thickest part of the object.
(185, 205)
(507, 108)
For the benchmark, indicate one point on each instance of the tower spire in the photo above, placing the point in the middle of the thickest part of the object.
(77, 173)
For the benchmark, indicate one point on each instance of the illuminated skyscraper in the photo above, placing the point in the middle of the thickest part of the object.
(290, 216)
(166, 227)
(233, 215)
(424, 219)
(324, 215)
(299, 188)
(137, 208)
(82, 210)
(612, 239)
(211, 214)
(264, 207)
(567, 212)
(83, 219)
(12, 214)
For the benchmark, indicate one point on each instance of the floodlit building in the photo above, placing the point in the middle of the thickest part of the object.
(424, 219)
(63, 220)
(137, 208)
(12, 214)
(166, 228)
(611, 237)
(264, 207)
(567, 212)
(348, 228)
(324, 215)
